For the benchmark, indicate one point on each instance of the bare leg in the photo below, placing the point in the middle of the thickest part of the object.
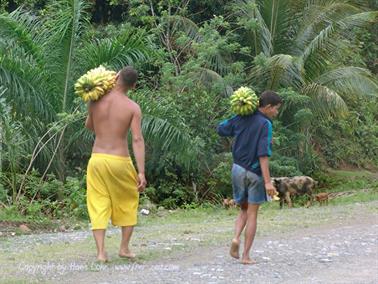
(99, 236)
(250, 232)
(239, 227)
(124, 250)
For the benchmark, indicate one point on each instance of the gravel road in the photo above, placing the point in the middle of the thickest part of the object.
(342, 251)
(346, 254)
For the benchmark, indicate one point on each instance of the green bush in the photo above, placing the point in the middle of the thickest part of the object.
(40, 198)
(219, 182)
(358, 135)
(75, 197)
(170, 193)
(284, 166)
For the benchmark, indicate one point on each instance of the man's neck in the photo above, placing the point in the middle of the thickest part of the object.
(262, 110)
(121, 90)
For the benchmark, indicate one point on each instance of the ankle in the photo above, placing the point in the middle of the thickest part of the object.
(245, 255)
(102, 254)
(124, 249)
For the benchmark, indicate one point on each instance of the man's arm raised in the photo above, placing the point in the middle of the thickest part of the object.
(138, 147)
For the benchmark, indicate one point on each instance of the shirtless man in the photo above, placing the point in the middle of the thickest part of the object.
(113, 185)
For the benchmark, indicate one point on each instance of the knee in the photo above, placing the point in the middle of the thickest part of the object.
(244, 207)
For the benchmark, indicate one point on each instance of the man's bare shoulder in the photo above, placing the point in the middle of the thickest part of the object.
(121, 99)
(132, 105)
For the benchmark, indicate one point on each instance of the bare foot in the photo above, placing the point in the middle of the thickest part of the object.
(103, 258)
(248, 261)
(234, 250)
(127, 254)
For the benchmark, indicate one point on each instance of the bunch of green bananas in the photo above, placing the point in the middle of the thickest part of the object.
(244, 101)
(95, 83)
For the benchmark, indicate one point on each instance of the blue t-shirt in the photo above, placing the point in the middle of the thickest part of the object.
(253, 139)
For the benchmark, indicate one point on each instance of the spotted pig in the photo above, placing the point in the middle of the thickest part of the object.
(294, 186)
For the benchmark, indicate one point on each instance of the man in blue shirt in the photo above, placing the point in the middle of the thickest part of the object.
(250, 171)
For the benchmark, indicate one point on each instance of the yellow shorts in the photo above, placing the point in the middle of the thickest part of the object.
(111, 191)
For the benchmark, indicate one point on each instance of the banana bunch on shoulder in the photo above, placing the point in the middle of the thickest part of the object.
(244, 101)
(95, 83)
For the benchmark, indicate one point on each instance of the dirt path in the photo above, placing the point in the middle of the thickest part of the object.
(342, 250)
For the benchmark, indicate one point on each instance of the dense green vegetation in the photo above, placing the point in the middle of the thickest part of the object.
(319, 55)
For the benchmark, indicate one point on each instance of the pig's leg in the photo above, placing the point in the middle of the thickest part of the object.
(288, 199)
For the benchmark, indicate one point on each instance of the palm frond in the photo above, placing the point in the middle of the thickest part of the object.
(22, 28)
(317, 16)
(79, 140)
(129, 48)
(279, 17)
(160, 133)
(350, 79)
(318, 53)
(358, 20)
(318, 42)
(69, 19)
(25, 85)
(183, 24)
(35, 130)
(281, 70)
(250, 10)
(325, 103)
(65, 28)
(218, 62)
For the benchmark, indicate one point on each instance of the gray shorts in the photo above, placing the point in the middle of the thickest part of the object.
(247, 186)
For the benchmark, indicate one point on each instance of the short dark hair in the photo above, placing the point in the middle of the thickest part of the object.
(270, 98)
(128, 76)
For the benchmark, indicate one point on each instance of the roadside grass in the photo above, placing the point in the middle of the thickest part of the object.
(362, 186)
(342, 180)
(11, 218)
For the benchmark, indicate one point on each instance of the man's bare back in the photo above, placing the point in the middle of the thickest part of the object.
(110, 118)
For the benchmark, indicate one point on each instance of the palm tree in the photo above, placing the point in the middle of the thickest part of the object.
(296, 48)
(293, 44)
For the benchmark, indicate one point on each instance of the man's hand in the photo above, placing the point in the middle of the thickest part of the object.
(270, 189)
(141, 182)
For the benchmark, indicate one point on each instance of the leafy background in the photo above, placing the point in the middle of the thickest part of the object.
(319, 55)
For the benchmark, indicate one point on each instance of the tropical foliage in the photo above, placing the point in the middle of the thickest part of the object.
(319, 55)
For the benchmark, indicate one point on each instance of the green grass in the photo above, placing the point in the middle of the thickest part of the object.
(11, 218)
(355, 198)
(341, 180)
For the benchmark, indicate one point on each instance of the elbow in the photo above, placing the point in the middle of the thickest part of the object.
(138, 140)
(263, 159)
